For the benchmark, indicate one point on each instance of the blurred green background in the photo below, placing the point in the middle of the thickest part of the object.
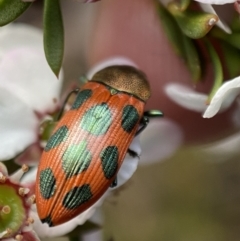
(188, 197)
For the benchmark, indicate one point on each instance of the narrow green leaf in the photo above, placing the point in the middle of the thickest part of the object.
(192, 59)
(53, 34)
(183, 4)
(182, 45)
(235, 24)
(218, 71)
(171, 29)
(233, 39)
(231, 60)
(11, 9)
(193, 24)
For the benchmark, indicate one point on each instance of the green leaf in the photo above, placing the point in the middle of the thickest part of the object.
(218, 72)
(182, 45)
(235, 24)
(53, 34)
(192, 59)
(11, 9)
(171, 29)
(233, 39)
(193, 24)
(183, 4)
(231, 59)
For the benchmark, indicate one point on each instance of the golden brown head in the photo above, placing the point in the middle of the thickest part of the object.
(125, 78)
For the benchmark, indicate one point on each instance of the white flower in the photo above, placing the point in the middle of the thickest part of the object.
(217, 2)
(223, 149)
(28, 88)
(224, 96)
(195, 101)
(186, 97)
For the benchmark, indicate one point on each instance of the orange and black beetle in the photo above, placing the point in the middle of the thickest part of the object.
(88, 145)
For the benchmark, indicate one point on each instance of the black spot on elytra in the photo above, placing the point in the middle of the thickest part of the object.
(109, 160)
(47, 220)
(77, 196)
(82, 96)
(58, 137)
(130, 117)
(47, 183)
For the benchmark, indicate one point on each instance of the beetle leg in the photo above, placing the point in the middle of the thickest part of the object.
(114, 183)
(145, 119)
(132, 153)
(143, 124)
(59, 116)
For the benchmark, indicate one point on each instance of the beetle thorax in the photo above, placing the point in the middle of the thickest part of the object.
(125, 78)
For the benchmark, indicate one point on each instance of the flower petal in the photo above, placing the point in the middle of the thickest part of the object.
(19, 35)
(25, 72)
(95, 235)
(116, 60)
(30, 176)
(160, 140)
(43, 230)
(18, 125)
(224, 97)
(225, 148)
(30, 156)
(220, 23)
(30, 236)
(217, 2)
(186, 97)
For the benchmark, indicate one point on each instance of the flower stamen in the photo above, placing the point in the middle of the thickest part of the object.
(25, 168)
(2, 178)
(29, 221)
(19, 237)
(32, 199)
(18, 174)
(7, 232)
(23, 191)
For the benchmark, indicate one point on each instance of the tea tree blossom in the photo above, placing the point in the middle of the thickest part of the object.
(28, 89)
(217, 2)
(225, 95)
(16, 200)
(196, 101)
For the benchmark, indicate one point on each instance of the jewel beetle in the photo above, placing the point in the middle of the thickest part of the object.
(83, 155)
